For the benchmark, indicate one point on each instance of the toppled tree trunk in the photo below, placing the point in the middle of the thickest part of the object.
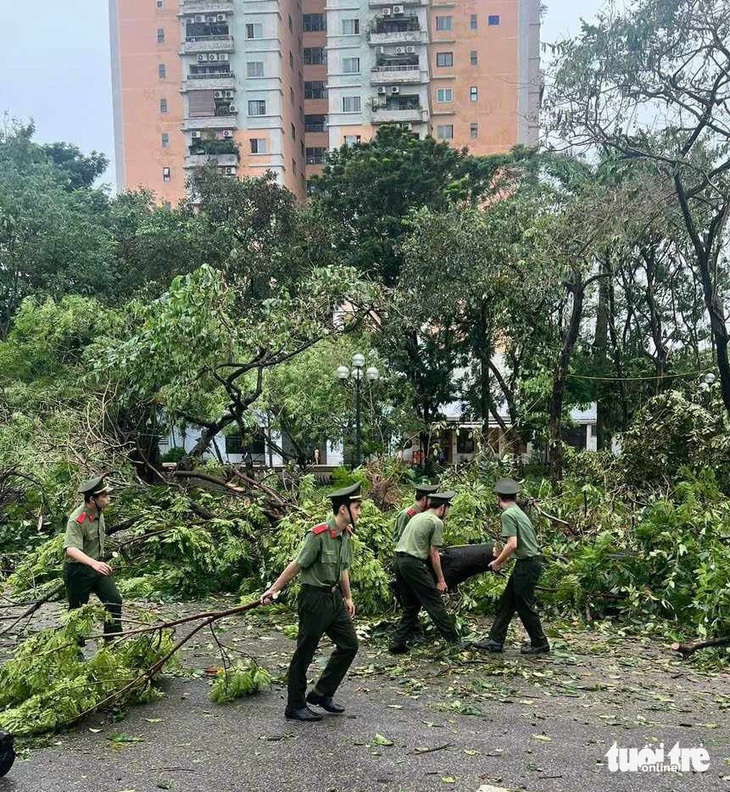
(690, 647)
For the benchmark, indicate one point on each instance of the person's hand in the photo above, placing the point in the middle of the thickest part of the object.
(496, 550)
(442, 587)
(102, 568)
(350, 607)
(268, 596)
(494, 566)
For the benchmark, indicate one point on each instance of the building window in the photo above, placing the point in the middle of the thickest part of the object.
(165, 139)
(473, 22)
(313, 23)
(255, 31)
(160, 4)
(445, 95)
(257, 107)
(293, 132)
(160, 35)
(443, 22)
(165, 174)
(315, 123)
(350, 104)
(161, 71)
(352, 140)
(314, 56)
(474, 94)
(314, 90)
(473, 58)
(258, 145)
(316, 155)
(350, 27)
(163, 105)
(445, 132)
(351, 65)
(474, 129)
(493, 19)
(444, 59)
(255, 69)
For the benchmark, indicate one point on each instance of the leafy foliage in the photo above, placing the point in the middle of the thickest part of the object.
(243, 679)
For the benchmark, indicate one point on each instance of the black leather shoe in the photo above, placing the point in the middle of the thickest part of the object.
(489, 646)
(325, 702)
(301, 714)
(398, 648)
(535, 650)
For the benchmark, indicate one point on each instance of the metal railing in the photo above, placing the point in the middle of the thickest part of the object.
(214, 76)
(226, 37)
(408, 67)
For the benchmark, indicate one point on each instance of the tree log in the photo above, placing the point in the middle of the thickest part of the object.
(690, 647)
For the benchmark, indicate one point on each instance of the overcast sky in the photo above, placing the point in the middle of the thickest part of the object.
(55, 66)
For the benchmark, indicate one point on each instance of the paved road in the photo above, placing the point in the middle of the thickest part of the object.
(461, 722)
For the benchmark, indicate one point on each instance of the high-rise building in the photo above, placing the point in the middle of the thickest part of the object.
(256, 85)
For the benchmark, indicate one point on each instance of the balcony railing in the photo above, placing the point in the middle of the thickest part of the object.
(399, 37)
(386, 75)
(210, 37)
(224, 44)
(380, 3)
(209, 122)
(210, 147)
(385, 115)
(206, 7)
(212, 76)
(221, 160)
(208, 82)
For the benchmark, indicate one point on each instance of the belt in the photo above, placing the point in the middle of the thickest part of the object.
(328, 589)
(409, 555)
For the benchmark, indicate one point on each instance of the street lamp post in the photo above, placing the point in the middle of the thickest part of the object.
(357, 373)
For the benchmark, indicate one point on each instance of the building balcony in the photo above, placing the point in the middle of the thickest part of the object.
(208, 44)
(398, 37)
(210, 122)
(390, 3)
(221, 160)
(188, 7)
(414, 115)
(396, 75)
(209, 82)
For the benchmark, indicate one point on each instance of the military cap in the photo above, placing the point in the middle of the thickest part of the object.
(441, 498)
(507, 486)
(94, 486)
(346, 494)
(426, 489)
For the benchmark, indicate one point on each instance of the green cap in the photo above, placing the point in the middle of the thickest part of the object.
(507, 486)
(439, 498)
(94, 486)
(426, 489)
(346, 494)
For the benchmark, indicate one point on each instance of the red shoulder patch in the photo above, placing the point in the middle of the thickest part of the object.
(411, 512)
(318, 529)
(80, 519)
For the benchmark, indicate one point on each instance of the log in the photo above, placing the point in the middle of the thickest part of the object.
(690, 647)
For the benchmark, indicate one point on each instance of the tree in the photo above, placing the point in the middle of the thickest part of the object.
(663, 65)
(81, 170)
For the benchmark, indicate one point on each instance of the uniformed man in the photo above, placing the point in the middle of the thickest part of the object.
(422, 493)
(325, 607)
(419, 543)
(519, 593)
(84, 571)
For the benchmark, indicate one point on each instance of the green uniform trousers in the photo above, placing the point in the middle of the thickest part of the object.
(81, 580)
(418, 590)
(321, 612)
(519, 596)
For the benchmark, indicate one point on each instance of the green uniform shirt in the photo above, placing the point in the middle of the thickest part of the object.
(516, 523)
(403, 519)
(324, 555)
(86, 532)
(422, 532)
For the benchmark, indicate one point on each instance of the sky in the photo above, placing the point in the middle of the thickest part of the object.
(56, 67)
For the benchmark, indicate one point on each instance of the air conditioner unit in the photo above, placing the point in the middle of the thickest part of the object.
(212, 57)
(394, 89)
(220, 18)
(228, 94)
(227, 133)
(200, 17)
(399, 50)
(380, 50)
(387, 12)
(211, 18)
(382, 89)
(219, 94)
(410, 49)
(202, 57)
(223, 56)
(233, 108)
(231, 170)
(398, 10)
(196, 134)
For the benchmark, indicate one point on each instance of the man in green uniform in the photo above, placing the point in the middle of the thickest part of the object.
(325, 607)
(422, 493)
(519, 593)
(83, 545)
(419, 543)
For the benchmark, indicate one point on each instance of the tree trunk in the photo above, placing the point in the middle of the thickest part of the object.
(600, 350)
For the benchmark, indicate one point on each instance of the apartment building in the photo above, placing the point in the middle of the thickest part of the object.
(257, 85)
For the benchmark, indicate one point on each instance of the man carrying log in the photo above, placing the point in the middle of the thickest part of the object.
(404, 517)
(325, 607)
